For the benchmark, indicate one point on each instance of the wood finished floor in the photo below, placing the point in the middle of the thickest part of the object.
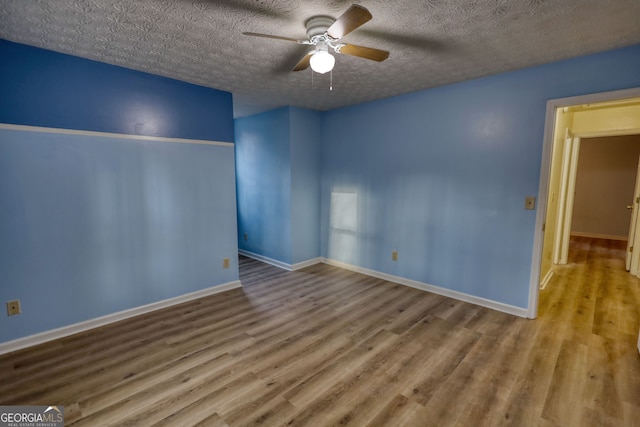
(324, 346)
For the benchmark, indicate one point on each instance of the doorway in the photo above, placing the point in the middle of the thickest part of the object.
(599, 192)
(562, 114)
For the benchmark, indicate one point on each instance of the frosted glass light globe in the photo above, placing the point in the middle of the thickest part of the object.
(322, 62)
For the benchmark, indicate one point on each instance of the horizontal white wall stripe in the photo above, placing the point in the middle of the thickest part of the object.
(64, 331)
(494, 305)
(112, 135)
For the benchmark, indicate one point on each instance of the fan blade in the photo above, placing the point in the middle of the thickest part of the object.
(354, 17)
(303, 64)
(363, 52)
(268, 36)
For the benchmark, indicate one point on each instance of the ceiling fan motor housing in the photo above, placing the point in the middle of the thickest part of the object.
(318, 25)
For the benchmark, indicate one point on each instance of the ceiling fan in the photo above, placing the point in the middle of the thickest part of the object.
(324, 33)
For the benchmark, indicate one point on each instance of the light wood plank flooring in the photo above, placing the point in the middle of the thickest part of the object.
(324, 346)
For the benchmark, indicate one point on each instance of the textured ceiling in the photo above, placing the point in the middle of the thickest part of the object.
(432, 42)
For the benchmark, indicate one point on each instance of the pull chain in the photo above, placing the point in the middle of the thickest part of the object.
(330, 79)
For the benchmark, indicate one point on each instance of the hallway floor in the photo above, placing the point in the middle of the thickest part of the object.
(589, 316)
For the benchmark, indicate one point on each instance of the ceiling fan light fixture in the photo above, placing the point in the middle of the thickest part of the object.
(322, 62)
(325, 33)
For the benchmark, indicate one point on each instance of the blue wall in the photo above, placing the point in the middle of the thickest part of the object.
(263, 164)
(45, 88)
(278, 184)
(441, 175)
(92, 225)
(306, 137)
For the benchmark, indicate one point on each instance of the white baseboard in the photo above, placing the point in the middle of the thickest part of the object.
(494, 305)
(280, 264)
(64, 331)
(266, 259)
(307, 263)
(545, 280)
(598, 236)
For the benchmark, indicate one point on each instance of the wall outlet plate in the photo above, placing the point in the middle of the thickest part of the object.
(13, 307)
(226, 263)
(530, 203)
(394, 255)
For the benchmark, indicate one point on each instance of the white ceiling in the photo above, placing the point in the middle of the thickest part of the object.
(432, 42)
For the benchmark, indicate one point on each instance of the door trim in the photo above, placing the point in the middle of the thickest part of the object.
(562, 199)
(543, 187)
(569, 199)
(628, 259)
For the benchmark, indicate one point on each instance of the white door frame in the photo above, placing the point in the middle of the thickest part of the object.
(633, 223)
(570, 190)
(543, 187)
(562, 199)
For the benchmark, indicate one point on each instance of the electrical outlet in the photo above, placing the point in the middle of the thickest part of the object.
(246, 236)
(394, 255)
(225, 263)
(530, 203)
(13, 307)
